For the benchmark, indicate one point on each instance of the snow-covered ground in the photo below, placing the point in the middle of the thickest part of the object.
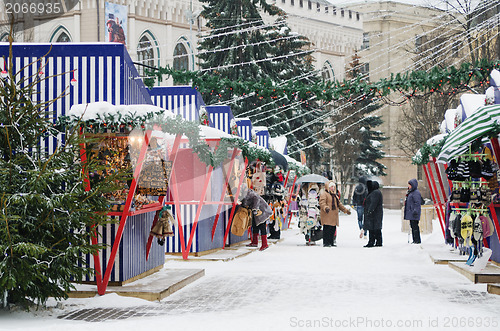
(291, 286)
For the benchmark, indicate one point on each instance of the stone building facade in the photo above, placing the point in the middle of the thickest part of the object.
(161, 32)
(392, 32)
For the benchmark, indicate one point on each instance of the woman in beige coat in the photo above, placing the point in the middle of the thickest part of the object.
(330, 205)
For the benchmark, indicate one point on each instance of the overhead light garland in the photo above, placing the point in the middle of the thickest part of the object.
(409, 83)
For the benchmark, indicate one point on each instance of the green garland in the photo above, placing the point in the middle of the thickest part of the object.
(437, 80)
(249, 151)
(172, 125)
(299, 170)
(426, 151)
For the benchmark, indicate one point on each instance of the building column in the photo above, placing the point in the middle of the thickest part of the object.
(132, 38)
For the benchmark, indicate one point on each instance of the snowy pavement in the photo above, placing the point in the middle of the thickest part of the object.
(291, 286)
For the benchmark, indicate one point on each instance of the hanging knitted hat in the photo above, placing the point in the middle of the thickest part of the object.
(478, 229)
(467, 229)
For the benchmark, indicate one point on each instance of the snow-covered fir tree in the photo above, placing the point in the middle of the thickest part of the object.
(271, 54)
(45, 211)
(355, 144)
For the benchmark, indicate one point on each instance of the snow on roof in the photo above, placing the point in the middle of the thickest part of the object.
(260, 128)
(212, 133)
(449, 117)
(495, 78)
(471, 103)
(242, 119)
(278, 144)
(442, 127)
(291, 160)
(100, 109)
(436, 139)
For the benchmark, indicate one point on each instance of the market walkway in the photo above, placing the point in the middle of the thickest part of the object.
(293, 286)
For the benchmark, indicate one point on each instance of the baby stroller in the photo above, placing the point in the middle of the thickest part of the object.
(309, 223)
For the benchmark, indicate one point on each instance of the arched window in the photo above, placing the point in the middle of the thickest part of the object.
(4, 37)
(63, 38)
(327, 72)
(60, 35)
(145, 54)
(181, 59)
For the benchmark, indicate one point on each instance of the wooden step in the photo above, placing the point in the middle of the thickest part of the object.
(490, 274)
(494, 289)
(153, 288)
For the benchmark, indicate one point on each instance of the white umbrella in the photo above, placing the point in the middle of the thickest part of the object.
(312, 178)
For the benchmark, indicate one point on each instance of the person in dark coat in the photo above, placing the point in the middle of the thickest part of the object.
(260, 214)
(413, 209)
(358, 200)
(373, 214)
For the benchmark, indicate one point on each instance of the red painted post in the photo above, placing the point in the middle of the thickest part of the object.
(172, 156)
(228, 176)
(198, 211)
(123, 218)
(439, 176)
(442, 219)
(495, 220)
(242, 178)
(433, 198)
(289, 201)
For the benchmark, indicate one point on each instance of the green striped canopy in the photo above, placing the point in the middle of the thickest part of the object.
(480, 124)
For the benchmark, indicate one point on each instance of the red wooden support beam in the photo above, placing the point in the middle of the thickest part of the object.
(440, 179)
(442, 219)
(431, 187)
(286, 179)
(226, 182)
(293, 192)
(172, 156)
(242, 179)
(101, 288)
(198, 212)
(495, 220)
(289, 201)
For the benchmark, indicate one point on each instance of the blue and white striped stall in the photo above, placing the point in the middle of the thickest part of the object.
(244, 128)
(262, 136)
(220, 117)
(180, 100)
(103, 72)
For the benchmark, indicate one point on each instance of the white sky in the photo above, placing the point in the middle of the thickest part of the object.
(436, 3)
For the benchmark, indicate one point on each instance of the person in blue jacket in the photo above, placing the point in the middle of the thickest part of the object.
(413, 209)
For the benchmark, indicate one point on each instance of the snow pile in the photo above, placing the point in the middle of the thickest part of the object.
(278, 144)
(103, 109)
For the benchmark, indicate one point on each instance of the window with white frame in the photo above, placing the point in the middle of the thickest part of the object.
(145, 54)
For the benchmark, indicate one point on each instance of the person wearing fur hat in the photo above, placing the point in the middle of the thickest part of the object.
(373, 214)
(330, 205)
(260, 214)
(413, 209)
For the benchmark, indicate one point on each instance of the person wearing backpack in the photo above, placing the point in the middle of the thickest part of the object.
(413, 209)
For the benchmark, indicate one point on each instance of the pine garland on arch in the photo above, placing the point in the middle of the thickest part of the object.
(437, 80)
